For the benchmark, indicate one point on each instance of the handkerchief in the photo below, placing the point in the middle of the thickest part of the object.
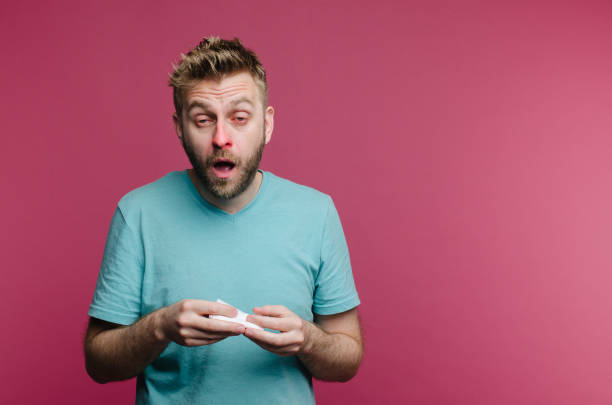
(240, 318)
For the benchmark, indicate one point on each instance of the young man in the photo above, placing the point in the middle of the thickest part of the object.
(224, 229)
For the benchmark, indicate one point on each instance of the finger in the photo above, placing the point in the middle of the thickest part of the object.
(272, 310)
(200, 342)
(280, 324)
(211, 325)
(217, 325)
(202, 307)
(190, 333)
(288, 350)
(261, 343)
(276, 340)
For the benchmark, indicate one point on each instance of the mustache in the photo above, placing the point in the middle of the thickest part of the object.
(224, 154)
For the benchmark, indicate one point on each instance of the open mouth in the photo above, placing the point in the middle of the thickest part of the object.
(223, 167)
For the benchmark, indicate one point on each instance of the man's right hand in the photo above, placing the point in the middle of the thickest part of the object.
(186, 322)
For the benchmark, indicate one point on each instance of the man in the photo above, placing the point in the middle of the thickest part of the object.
(224, 229)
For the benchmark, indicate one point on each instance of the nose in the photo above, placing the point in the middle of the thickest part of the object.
(221, 138)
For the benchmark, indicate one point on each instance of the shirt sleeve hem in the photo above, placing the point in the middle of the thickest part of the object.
(110, 316)
(336, 308)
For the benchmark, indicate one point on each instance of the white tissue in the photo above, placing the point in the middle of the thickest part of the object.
(240, 318)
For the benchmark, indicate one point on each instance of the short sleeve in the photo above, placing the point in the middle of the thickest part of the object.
(118, 289)
(335, 290)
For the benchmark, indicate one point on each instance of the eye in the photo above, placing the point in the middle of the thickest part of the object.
(240, 119)
(204, 121)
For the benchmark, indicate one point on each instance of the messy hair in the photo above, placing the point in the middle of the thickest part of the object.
(212, 59)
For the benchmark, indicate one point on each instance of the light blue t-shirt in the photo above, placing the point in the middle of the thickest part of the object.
(166, 243)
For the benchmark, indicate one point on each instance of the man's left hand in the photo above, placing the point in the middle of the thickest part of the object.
(295, 331)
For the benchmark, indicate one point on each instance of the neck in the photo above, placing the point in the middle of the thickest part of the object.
(235, 204)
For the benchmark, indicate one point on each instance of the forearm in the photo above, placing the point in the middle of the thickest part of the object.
(330, 356)
(124, 352)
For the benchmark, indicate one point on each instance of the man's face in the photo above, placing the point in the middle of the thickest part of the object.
(223, 128)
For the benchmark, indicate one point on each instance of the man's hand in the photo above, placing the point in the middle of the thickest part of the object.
(330, 348)
(294, 330)
(186, 322)
(116, 352)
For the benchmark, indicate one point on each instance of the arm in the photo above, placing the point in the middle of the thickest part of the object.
(115, 352)
(334, 347)
(331, 348)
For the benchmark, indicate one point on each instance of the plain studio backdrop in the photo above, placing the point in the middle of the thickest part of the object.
(466, 144)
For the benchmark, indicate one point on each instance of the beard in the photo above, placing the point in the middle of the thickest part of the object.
(225, 188)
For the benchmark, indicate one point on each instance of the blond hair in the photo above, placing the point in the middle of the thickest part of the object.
(212, 59)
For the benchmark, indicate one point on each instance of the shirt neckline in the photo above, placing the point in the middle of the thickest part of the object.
(218, 211)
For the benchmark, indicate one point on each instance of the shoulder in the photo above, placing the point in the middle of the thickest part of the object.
(150, 195)
(287, 192)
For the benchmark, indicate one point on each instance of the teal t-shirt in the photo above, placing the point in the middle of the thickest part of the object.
(166, 243)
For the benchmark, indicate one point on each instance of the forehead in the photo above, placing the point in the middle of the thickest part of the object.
(227, 88)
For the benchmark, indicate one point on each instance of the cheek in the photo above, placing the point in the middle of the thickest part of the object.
(198, 143)
(196, 148)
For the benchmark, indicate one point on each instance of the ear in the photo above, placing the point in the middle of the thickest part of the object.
(178, 126)
(268, 123)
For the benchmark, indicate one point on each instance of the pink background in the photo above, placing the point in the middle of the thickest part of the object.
(466, 144)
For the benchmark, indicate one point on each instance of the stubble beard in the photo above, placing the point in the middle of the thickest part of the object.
(225, 188)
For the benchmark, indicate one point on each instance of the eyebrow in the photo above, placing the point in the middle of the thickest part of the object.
(195, 104)
(242, 100)
(205, 106)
